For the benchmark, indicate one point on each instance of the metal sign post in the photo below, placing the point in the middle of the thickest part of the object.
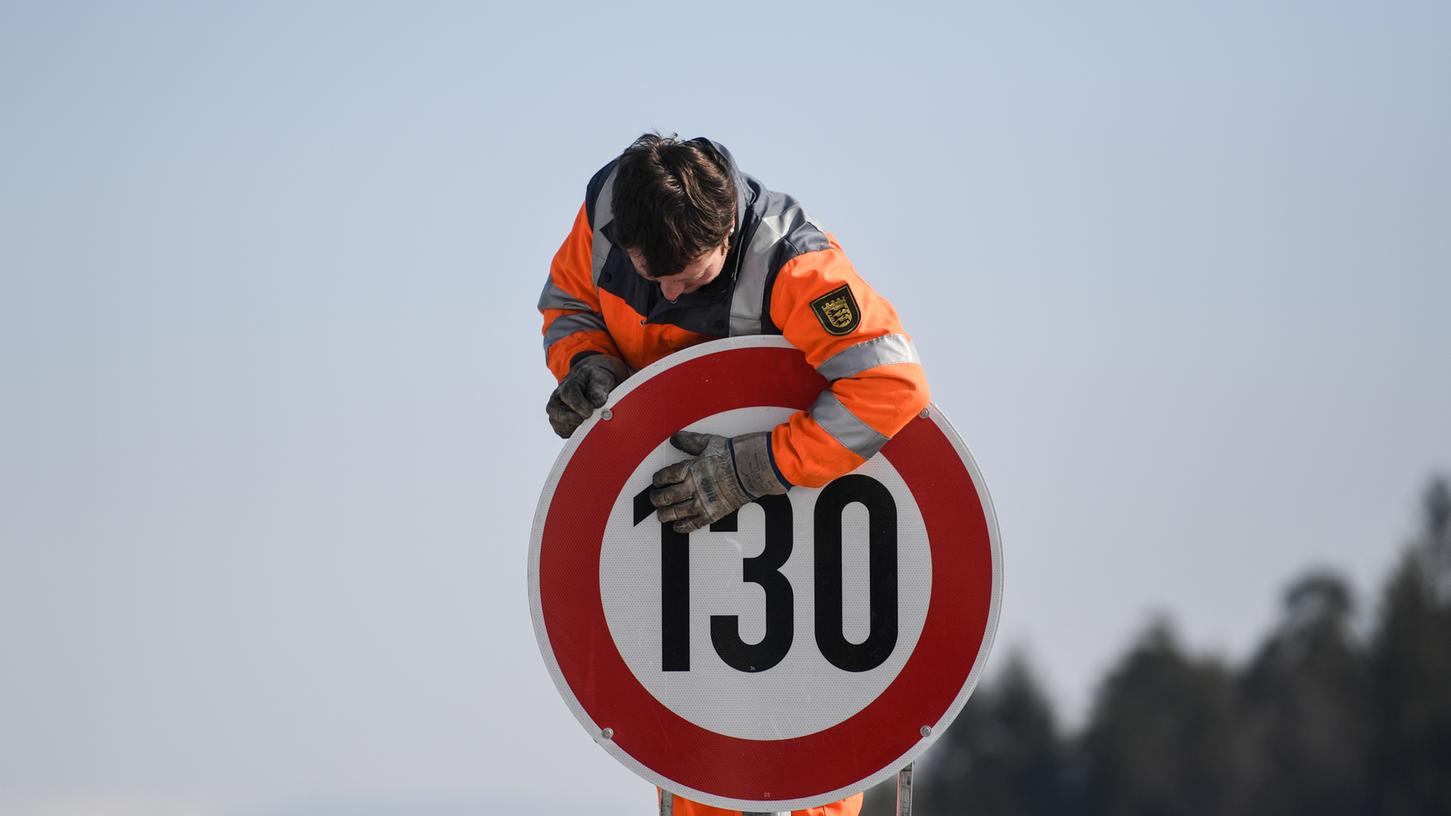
(904, 791)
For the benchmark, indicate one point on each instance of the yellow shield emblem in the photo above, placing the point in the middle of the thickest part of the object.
(837, 311)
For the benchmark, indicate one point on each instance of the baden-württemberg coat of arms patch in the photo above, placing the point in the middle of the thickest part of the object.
(837, 311)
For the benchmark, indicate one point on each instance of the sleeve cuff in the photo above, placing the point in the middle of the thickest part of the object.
(580, 356)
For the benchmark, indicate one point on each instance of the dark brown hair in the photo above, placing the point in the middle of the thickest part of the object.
(672, 201)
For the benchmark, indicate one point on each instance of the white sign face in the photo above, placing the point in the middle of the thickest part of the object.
(803, 693)
(799, 650)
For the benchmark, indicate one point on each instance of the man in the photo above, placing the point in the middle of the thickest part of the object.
(675, 246)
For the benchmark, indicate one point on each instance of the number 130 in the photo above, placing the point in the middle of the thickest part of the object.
(765, 570)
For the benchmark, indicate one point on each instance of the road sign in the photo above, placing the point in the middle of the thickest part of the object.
(793, 653)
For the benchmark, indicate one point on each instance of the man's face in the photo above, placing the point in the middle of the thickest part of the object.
(696, 274)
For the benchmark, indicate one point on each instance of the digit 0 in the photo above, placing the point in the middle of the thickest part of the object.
(882, 562)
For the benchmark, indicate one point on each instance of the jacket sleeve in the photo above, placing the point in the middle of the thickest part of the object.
(851, 335)
(573, 324)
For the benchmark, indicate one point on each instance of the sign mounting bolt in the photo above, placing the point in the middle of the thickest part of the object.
(926, 730)
(608, 733)
(925, 414)
(607, 415)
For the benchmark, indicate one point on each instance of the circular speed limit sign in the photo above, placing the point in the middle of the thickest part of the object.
(795, 652)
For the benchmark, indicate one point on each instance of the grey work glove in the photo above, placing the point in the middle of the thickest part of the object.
(585, 388)
(725, 474)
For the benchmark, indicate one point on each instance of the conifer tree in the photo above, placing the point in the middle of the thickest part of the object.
(1161, 740)
(1411, 672)
(1001, 755)
(1305, 719)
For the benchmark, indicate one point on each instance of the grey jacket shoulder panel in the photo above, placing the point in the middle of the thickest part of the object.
(780, 231)
(599, 184)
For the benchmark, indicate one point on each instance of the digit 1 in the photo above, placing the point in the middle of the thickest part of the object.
(674, 589)
(882, 584)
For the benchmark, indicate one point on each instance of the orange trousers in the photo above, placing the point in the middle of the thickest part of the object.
(850, 806)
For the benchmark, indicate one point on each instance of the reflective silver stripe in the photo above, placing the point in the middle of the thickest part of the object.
(885, 350)
(604, 214)
(844, 426)
(566, 325)
(555, 298)
(755, 266)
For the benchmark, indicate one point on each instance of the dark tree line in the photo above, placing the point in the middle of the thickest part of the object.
(1321, 720)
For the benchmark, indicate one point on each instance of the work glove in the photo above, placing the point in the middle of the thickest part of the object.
(726, 473)
(585, 388)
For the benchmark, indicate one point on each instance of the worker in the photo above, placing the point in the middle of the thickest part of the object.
(675, 246)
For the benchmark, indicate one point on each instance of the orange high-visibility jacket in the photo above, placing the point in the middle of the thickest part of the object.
(850, 806)
(783, 275)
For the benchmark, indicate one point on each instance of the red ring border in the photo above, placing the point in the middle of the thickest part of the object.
(848, 753)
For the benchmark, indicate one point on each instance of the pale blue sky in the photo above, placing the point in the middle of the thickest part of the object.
(272, 431)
